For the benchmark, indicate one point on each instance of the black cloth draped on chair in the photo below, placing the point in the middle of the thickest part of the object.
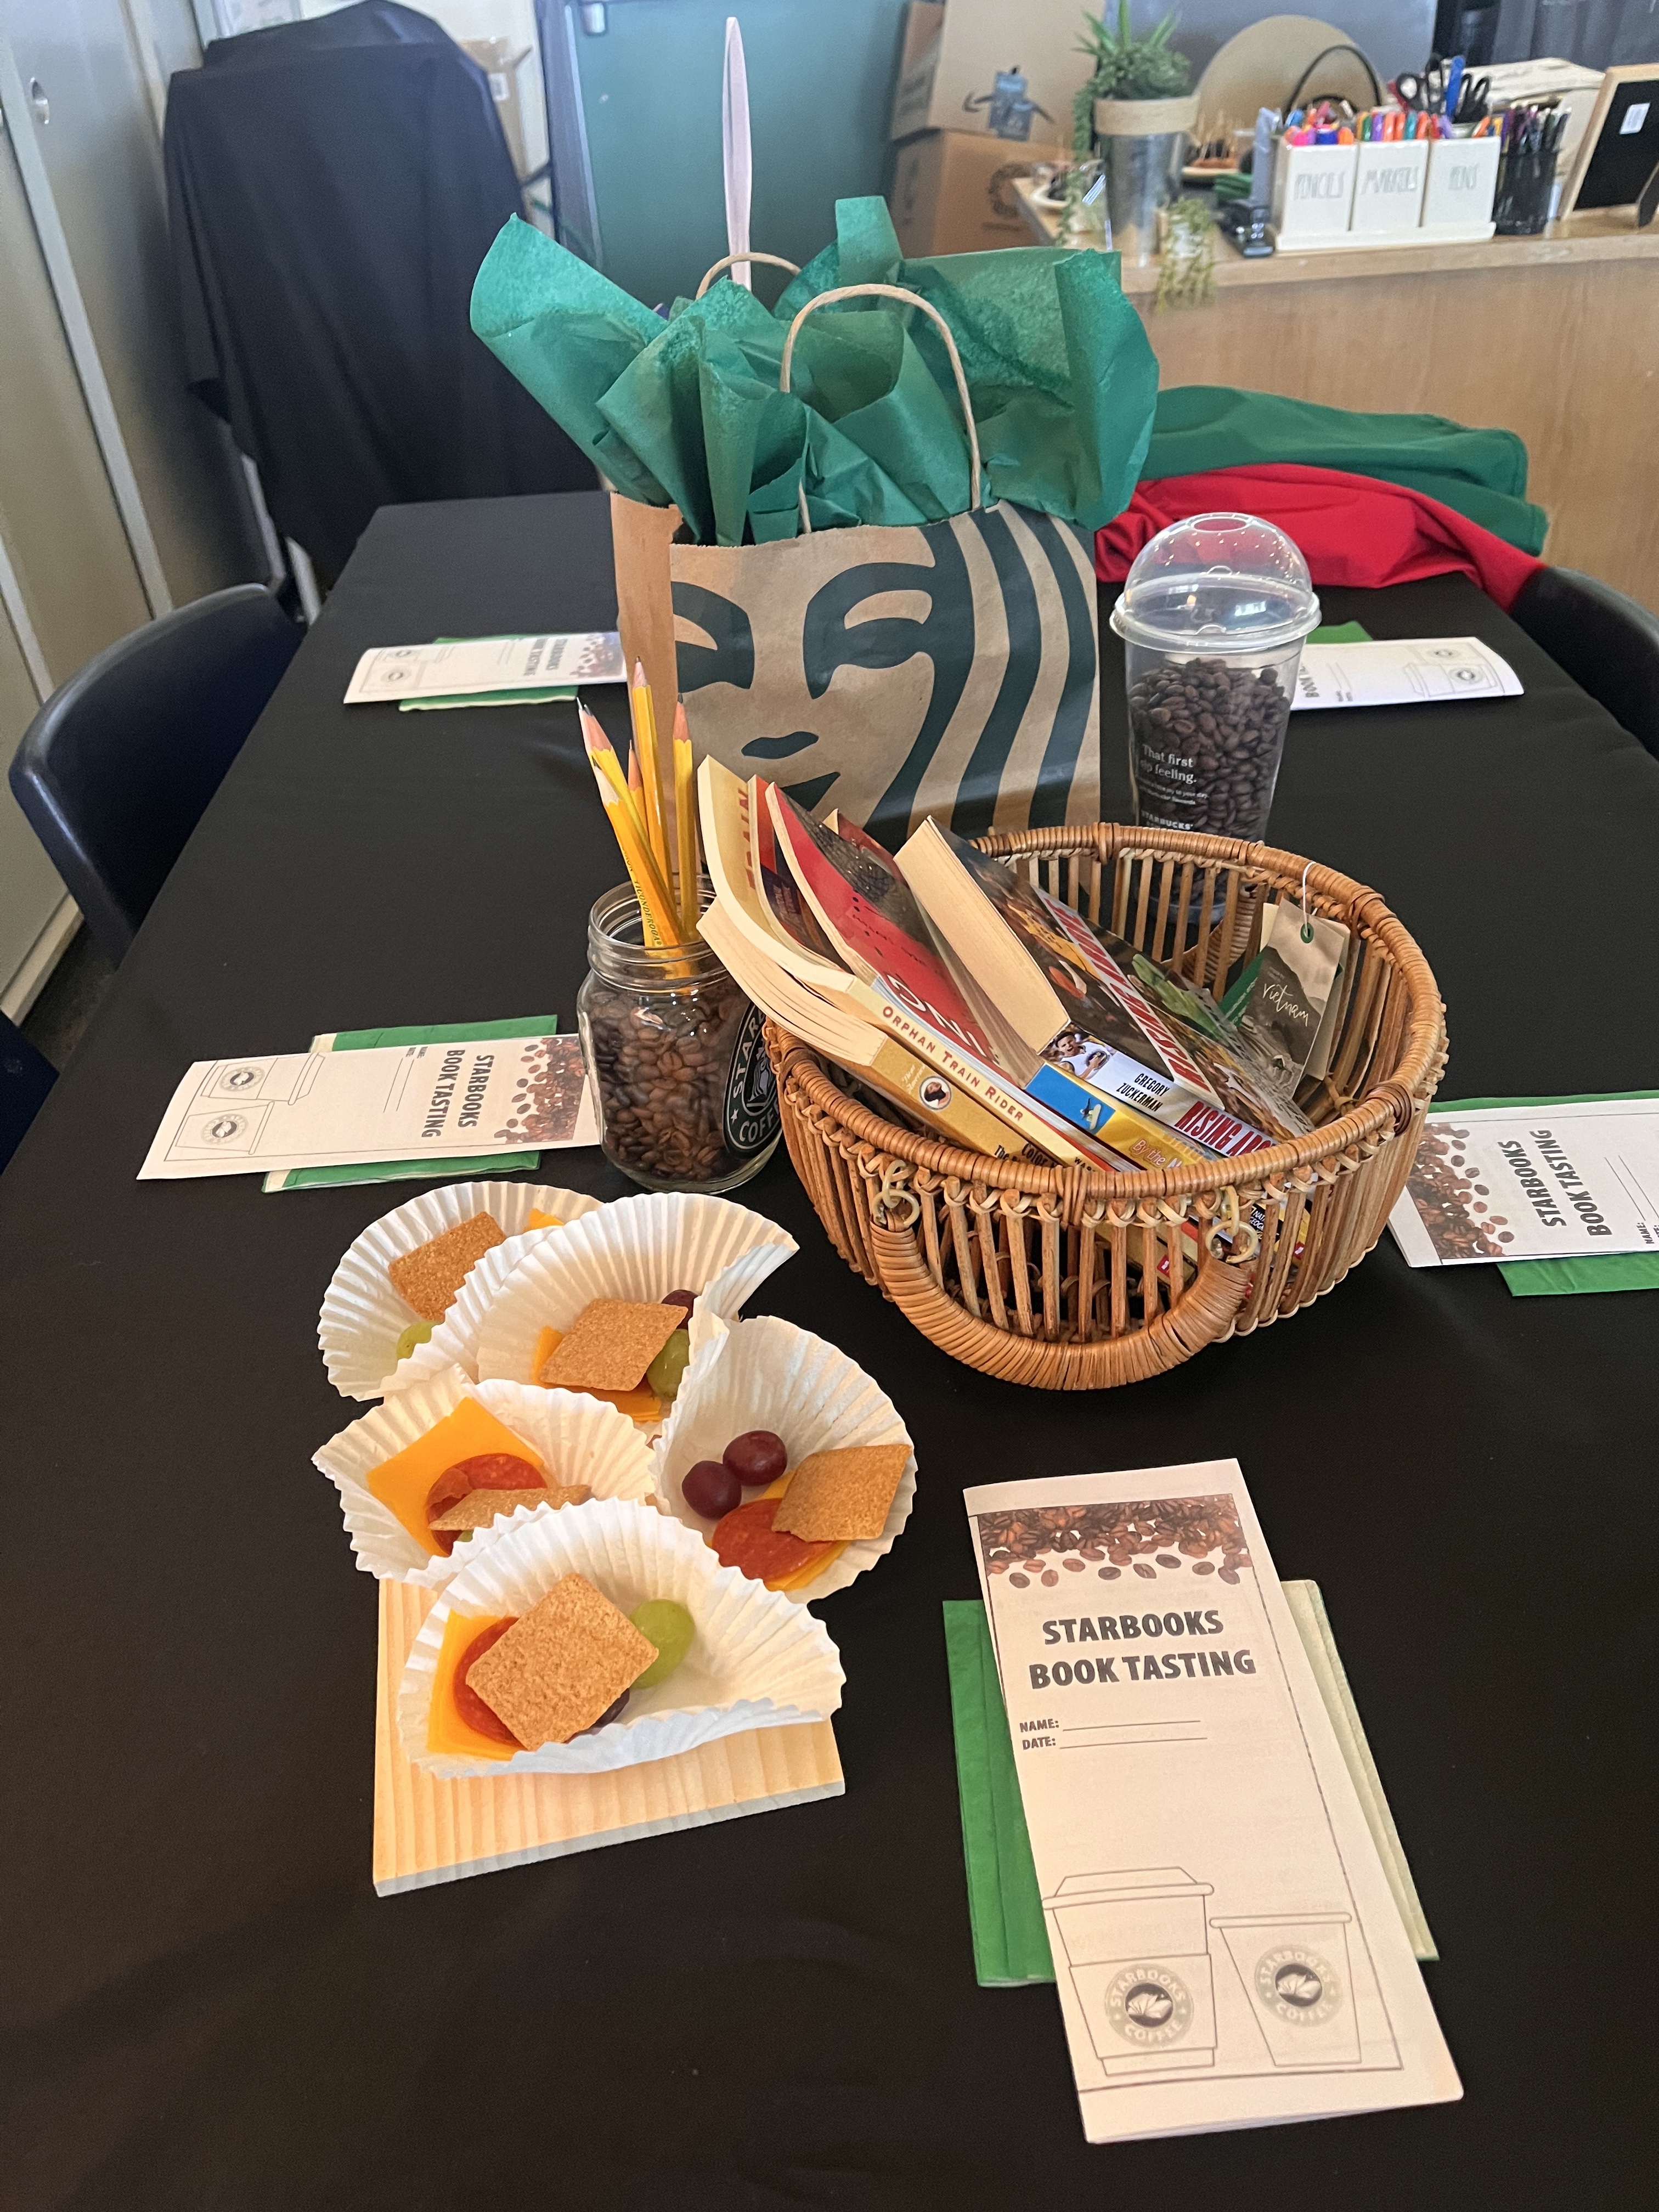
(331, 189)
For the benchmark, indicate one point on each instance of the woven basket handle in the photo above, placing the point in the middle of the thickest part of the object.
(731, 260)
(910, 300)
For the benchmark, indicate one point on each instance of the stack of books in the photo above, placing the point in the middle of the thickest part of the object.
(989, 1015)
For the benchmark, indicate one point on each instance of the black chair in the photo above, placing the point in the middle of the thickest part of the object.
(1607, 643)
(25, 1078)
(115, 769)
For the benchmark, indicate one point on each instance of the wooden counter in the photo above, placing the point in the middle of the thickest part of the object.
(1554, 337)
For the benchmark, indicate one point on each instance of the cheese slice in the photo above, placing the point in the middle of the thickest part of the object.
(813, 1568)
(444, 1728)
(640, 1405)
(542, 1220)
(403, 1484)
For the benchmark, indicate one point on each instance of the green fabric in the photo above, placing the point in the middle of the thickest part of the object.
(1348, 633)
(1004, 1907)
(1481, 474)
(411, 1170)
(1565, 1278)
(1060, 375)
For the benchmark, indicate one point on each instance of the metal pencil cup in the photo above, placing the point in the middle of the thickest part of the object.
(1525, 179)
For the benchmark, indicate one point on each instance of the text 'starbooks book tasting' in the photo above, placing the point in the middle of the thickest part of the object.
(1574, 1181)
(1227, 1949)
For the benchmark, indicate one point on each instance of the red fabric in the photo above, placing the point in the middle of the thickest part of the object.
(1351, 530)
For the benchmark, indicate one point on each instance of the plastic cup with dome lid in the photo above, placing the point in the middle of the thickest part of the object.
(1213, 616)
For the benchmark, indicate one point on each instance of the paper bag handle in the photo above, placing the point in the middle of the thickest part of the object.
(731, 260)
(910, 300)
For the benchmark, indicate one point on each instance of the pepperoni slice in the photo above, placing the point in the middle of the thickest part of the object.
(468, 1703)
(746, 1540)
(484, 1471)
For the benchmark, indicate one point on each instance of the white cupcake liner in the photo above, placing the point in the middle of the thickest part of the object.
(768, 1374)
(578, 1440)
(757, 1662)
(362, 1316)
(639, 1248)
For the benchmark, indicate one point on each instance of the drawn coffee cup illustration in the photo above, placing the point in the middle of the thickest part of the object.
(1295, 1969)
(1133, 1948)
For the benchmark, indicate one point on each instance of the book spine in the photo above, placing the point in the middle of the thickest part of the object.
(1009, 1106)
(946, 1107)
(1121, 1082)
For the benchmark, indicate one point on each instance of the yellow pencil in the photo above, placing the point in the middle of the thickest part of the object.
(685, 823)
(644, 744)
(657, 915)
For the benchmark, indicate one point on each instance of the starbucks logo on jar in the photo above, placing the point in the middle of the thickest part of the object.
(1298, 1986)
(1148, 2006)
(751, 1092)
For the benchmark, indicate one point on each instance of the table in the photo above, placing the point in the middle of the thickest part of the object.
(1555, 337)
(209, 2009)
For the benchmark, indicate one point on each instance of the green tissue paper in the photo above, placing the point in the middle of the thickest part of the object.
(1061, 380)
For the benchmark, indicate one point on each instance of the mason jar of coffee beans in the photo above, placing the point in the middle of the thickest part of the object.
(681, 1080)
(1213, 616)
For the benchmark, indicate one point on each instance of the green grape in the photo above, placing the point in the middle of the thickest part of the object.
(671, 1628)
(416, 1332)
(670, 1364)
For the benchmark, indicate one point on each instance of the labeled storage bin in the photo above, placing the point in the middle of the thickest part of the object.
(1462, 179)
(1074, 1278)
(1387, 191)
(1312, 194)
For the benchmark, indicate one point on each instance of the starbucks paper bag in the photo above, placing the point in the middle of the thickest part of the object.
(949, 669)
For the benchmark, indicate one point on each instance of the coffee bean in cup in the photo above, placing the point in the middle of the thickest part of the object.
(1205, 740)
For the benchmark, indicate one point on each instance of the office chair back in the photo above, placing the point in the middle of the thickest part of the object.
(26, 1076)
(114, 771)
(1607, 642)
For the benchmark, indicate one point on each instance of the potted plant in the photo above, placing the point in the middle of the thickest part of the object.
(1138, 103)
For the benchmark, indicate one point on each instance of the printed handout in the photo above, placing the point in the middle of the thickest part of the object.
(433, 1102)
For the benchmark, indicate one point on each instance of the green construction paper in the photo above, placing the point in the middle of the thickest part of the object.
(428, 1171)
(1349, 633)
(1005, 1909)
(1481, 474)
(1566, 1279)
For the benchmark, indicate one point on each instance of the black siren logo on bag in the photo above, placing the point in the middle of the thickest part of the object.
(751, 1091)
(950, 670)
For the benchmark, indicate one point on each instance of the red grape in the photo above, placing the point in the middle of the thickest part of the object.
(711, 1489)
(686, 1298)
(756, 1457)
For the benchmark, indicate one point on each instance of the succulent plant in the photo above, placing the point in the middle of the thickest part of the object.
(1128, 66)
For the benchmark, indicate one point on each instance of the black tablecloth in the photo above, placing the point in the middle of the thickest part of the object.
(207, 2005)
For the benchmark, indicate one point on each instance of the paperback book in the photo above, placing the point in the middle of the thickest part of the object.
(1083, 1021)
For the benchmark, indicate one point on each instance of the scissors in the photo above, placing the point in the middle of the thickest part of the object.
(1420, 88)
(1474, 102)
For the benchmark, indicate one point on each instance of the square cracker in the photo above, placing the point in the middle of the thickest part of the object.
(428, 1277)
(479, 1507)
(837, 1496)
(609, 1346)
(562, 1664)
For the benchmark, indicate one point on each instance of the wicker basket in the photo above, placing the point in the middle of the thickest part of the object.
(1068, 1278)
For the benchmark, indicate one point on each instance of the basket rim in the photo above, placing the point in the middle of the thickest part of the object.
(1385, 1110)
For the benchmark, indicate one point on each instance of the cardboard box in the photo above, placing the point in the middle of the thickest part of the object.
(954, 55)
(952, 192)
